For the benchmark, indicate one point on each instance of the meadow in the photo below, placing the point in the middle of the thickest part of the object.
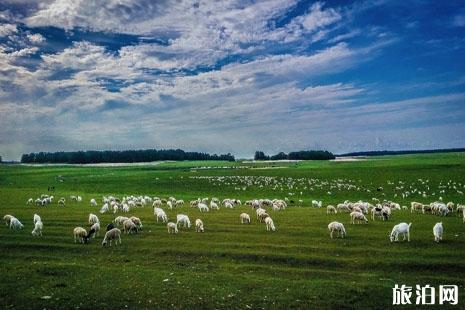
(231, 265)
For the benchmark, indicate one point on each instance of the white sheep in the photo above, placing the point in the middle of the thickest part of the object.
(214, 205)
(79, 234)
(30, 201)
(172, 228)
(38, 227)
(105, 208)
(37, 218)
(169, 204)
(339, 227)
(7, 218)
(93, 202)
(437, 231)
(199, 225)
(331, 209)
(402, 228)
(112, 234)
(245, 218)
(15, 224)
(93, 219)
(160, 214)
(269, 224)
(183, 220)
(316, 203)
(359, 216)
(203, 207)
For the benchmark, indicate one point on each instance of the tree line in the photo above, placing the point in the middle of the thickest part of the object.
(300, 155)
(129, 156)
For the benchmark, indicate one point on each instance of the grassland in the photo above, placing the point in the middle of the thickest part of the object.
(230, 265)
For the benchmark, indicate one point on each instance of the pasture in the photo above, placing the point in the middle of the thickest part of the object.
(231, 265)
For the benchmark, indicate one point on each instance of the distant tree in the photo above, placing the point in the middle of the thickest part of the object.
(259, 155)
(279, 156)
(128, 156)
(1, 159)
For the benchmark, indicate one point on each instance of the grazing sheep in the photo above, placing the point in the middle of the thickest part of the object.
(269, 224)
(119, 220)
(38, 226)
(199, 225)
(203, 207)
(179, 203)
(339, 227)
(113, 234)
(7, 218)
(80, 234)
(317, 203)
(169, 204)
(172, 228)
(93, 202)
(416, 206)
(93, 219)
(136, 221)
(214, 205)
(437, 231)
(61, 202)
(183, 220)
(37, 218)
(160, 214)
(129, 226)
(96, 228)
(15, 224)
(105, 208)
(331, 209)
(359, 216)
(402, 228)
(263, 216)
(30, 201)
(343, 207)
(245, 218)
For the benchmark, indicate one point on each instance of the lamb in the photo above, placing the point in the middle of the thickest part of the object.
(245, 218)
(172, 228)
(7, 218)
(160, 214)
(402, 228)
(113, 234)
(331, 209)
(269, 224)
(339, 227)
(359, 216)
(129, 226)
(15, 224)
(93, 219)
(38, 226)
(199, 225)
(203, 207)
(80, 234)
(37, 218)
(183, 220)
(437, 231)
(96, 228)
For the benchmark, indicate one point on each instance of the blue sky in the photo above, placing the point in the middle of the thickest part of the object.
(231, 76)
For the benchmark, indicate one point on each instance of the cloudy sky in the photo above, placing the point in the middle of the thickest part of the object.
(231, 76)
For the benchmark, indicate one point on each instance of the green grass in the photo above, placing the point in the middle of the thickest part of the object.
(230, 265)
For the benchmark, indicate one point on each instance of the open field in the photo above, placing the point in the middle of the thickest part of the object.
(231, 265)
